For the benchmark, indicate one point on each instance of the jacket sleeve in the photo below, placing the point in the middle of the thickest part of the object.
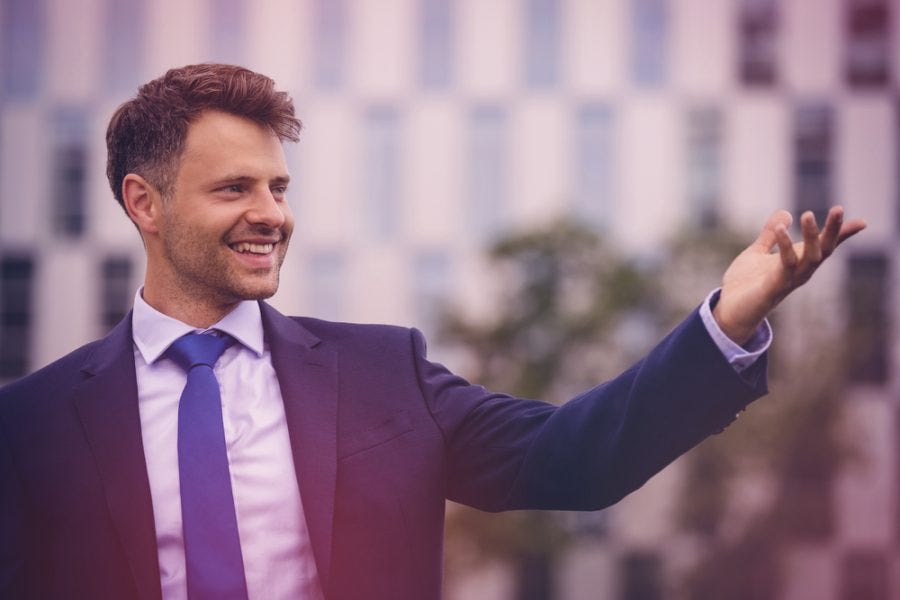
(505, 453)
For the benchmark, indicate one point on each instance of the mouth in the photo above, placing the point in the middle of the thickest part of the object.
(256, 255)
(251, 248)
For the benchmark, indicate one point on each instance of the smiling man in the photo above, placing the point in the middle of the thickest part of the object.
(210, 447)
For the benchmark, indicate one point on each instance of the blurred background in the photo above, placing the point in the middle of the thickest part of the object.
(544, 187)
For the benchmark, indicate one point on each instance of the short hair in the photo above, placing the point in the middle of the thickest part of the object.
(146, 135)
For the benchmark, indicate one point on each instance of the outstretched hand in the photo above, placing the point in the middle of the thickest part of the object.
(758, 279)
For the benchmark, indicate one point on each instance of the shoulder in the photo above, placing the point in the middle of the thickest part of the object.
(47, 385)
(366, 337)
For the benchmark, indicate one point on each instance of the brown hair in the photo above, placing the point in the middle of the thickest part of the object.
(146, 135)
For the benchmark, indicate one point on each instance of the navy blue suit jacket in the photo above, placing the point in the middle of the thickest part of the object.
(380, 437)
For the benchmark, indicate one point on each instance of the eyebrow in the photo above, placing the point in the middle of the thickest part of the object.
(278, 180)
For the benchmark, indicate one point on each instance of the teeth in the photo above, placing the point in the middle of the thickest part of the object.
(254, 248)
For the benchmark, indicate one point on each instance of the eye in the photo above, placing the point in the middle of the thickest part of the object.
(279, 190)
(234, 188)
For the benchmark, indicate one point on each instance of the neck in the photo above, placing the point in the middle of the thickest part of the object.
(189, 309)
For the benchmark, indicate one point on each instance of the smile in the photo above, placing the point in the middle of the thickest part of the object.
(248, 248)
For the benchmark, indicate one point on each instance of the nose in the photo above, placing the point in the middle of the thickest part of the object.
(267, 210)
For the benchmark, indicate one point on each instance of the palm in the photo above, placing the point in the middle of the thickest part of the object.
(758, 279)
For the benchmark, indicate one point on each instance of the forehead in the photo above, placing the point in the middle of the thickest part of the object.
(219, 141)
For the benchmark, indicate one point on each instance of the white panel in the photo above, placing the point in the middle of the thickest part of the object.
(75, 31)
(541, 155)
(703, 48)
(177, 34)
(24, 184)
(382, 47)
(652, 152)
(594, 45)
(324, 194)
(757, 162)
(433, 166)
(810, 40)
(866, 167)
(61, 326)
(489, 59)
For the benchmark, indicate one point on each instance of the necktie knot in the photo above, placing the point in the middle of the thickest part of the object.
(194, 349)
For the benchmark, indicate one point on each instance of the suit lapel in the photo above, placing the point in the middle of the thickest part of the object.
(107, 405)
(307, 375)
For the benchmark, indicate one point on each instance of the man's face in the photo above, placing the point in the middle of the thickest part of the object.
(225, 229)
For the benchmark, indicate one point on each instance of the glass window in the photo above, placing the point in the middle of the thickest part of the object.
(813, 160)
(330, 40)
(641, 576)
(116, 272)
(869, 324)
(864, 576)
(594, 163)
(124, 45)
(70, 157)
(649, 41)
(326, 278)
(22, 51)
(436, 42)
(542, 36)
(16, 283)
(382, 172)
(758, 40)
(867, 43)
(704, 169)
(227, 30)
(486, 169)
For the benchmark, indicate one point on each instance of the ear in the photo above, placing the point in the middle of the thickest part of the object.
(143, 203)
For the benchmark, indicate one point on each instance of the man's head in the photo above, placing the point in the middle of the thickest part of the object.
(146, 135)
(196, 161)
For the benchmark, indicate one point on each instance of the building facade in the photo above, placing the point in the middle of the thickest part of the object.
(433, 126)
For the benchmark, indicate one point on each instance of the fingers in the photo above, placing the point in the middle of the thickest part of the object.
(831, 230)
(812, 249)
(768, 237)
(785, 247)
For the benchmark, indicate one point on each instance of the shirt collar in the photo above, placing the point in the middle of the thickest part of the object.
(153, 332)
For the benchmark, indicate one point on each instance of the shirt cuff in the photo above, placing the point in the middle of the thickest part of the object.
(739, 357)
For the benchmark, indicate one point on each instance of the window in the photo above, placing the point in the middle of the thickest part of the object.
(124, 52)
(812, 160)
(381, 165)
(22, 51)
(641, 576)
(867, 46)
(117, 293)
(758, 39)
(864, 576)
(330, 41)
(486, 169)
(326, 279)
(436, 41)
(16, 282)
(227, 18)
(594, 163)
(704, 169)
(68, 205)
(431, 281)
(868, 323)
(649, 31)
(542, 21)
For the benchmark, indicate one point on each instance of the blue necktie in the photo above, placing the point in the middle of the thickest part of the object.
(212, 549)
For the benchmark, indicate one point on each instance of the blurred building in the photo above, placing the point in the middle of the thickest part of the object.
(432, 126)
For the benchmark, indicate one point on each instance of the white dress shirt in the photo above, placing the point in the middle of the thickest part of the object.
(277, 554)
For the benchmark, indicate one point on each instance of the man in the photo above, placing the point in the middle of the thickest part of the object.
(340, 443)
